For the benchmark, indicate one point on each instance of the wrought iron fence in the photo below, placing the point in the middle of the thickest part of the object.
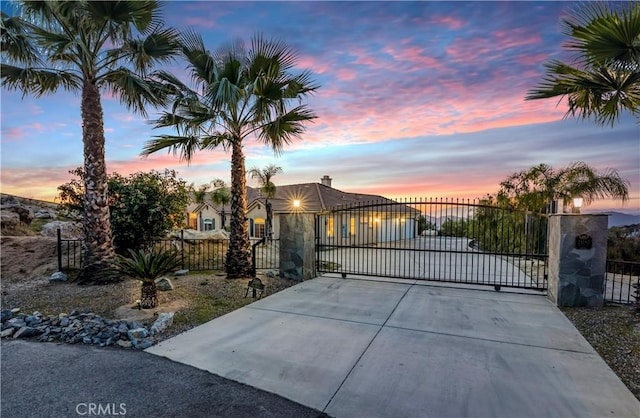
(622, 281)
(195, 254)
(451, 240)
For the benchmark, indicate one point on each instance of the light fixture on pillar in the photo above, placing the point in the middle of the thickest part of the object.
(577, 204)
(296, 203)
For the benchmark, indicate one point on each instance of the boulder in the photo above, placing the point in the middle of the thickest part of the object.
(163, 284)
(24, 213)
(9, 219)
(58, 276)
(45, 214)
(163, 322)
(68, 230)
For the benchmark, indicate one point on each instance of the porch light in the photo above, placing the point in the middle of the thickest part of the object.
(296, 203)
(577, 204)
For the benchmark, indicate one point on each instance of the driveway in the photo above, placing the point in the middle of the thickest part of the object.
(63, 380)
(358, 347)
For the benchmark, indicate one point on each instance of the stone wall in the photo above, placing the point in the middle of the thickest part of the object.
(297, 246)
(576, 273)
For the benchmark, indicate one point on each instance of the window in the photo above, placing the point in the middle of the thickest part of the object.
(258, 227)
(209, 224)
(193, 220)
(352, 226)
(330, 227)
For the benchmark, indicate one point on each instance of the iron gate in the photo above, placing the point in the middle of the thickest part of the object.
(460, 241)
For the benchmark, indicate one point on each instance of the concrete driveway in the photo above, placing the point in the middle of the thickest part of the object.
(372, 348)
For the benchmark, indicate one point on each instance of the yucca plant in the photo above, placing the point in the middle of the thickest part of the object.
(147, 266)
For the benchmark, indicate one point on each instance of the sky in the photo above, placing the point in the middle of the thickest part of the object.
(416, 100)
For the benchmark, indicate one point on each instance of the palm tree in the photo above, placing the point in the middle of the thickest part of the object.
(146, 266)
(239, 94)
(604, 80)
(536, 188)
(268, 189)
(221, 196)
(88, 47)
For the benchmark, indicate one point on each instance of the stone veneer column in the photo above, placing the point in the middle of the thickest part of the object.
(576, 275)
(297, 246)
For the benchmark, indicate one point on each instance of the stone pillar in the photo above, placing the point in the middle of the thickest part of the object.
(297, 246)
(577, 259)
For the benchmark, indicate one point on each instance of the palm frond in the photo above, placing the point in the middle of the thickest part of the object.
(146, 266)
(184, 146)
(15, 41)
(37, 81)
(160, 46)
(134, 92)
(283, 129)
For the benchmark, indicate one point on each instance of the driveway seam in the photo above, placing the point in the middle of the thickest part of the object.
(366, 348)
(315, 316)
(491, 340)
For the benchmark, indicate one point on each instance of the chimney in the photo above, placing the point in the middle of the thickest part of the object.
(326, 181)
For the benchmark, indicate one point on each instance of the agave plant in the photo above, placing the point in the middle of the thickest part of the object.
(147, 266)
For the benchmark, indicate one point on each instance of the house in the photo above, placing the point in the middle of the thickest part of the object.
(347, 218)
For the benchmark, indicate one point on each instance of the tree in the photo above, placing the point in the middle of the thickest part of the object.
(144, 207)
(536, 188)
(240, 94)
(221, 196)
(145, 266)
(268, 189)
(88, 47)
(604, 79)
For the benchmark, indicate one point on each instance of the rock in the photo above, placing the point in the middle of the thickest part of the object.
(25, 214)
(142, 343)
(68, 230)
(7, 332)
(181, 272)
(58, 276)
(138, 333)
(25, 332)
(5, 315)
(9, 220)
(123, 343)
(45, 214)
(16, 323)
(64, 322)
(163, 322)
(134, 325)
(163, 284)
(15, 310)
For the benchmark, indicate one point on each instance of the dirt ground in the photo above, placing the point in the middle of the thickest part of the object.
(27, 263)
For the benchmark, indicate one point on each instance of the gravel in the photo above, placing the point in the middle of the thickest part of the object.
(614, 332)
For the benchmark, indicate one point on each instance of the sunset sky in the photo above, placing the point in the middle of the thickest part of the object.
(417, 99)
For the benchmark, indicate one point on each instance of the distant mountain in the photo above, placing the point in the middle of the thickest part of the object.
(621, 219)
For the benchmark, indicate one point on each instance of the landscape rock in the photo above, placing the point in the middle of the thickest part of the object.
(87, 328)
(181, 272)
(58, 276)
(163, 284)
(163, 322)
(68, 230)
(9, 219)
(138, 333)
(24, 213)
(45, 214)
(7, 332)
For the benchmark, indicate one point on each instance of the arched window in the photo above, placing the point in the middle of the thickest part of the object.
(209, 224)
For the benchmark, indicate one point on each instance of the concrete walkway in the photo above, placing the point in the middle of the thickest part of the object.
(374, 348)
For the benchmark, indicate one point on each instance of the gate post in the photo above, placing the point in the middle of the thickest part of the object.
(577, 259)
(297, 246)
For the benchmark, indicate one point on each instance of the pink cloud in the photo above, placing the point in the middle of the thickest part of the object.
(201, 22)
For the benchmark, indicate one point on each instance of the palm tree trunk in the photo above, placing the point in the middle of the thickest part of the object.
(238, 264)
(98, 245)
(149, 295)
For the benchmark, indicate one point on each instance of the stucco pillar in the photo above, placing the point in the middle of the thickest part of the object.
(297, 246)
(577, 259)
